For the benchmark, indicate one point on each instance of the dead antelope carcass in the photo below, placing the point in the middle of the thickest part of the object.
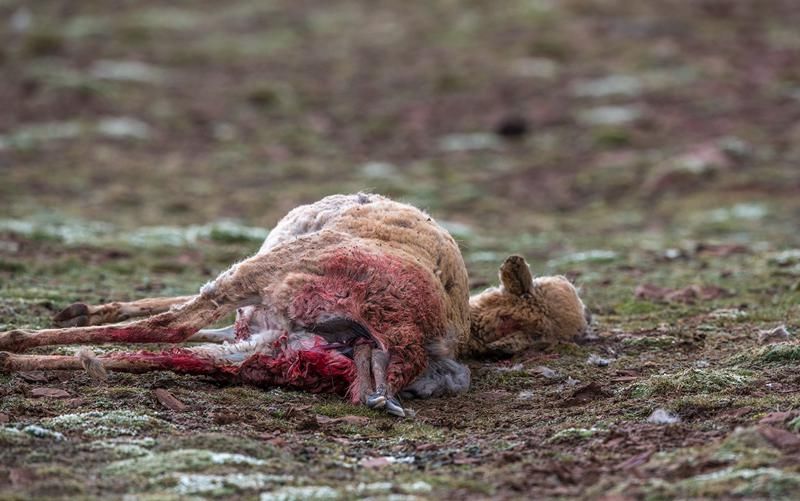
(354, 294)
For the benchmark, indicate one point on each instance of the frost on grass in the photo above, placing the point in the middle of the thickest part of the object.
(123, 449)
(217, 485)
(569, 434)
(662, 416)
(301, 493)
(107, 424)
(692, 381)
(778, 353)
(79, 232)
(189, 460)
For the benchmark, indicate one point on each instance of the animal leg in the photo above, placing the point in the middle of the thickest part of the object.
(179, 360)
(81, 314)
(173, 326)
(364, 384)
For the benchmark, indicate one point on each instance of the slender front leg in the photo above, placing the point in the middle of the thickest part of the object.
(81, 314)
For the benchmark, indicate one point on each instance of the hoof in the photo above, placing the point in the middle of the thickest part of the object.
(394, 408)
(376, 400)
(74, 315)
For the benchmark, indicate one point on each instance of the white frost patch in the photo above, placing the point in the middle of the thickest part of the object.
(228, 458)
(786, 258)
(123, 128)
(513, 368)
(731, 313)
(301, 493)
(36, 134)
(663, 416)
(609, 115)
(589, 256)
(40, 432)
(525, 395)
(101, 424)
(468, 142)
(72, 232)
(126, 71)
(743, 211)
(199, 483)
(379, 170)
(598, 361)
(612, 85)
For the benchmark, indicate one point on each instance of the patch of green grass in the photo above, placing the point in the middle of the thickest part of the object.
(636, 307)
(779, 353)
(692, 381)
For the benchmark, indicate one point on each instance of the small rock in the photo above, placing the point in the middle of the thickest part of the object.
(663, 416)
(49, 393)
(33, 376)
(546, 372)
(169, 401)
(4, 418)
(512, 127)
(598, 361)
(780, 438)
(777, 417)
(776, 335)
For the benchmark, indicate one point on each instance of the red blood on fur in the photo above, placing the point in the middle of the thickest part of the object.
(398, 301)
(316, 370)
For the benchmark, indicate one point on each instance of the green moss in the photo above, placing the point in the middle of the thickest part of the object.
(635, 307)
(692, 381)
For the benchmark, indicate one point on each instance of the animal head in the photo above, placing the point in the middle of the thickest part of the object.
(524, 311)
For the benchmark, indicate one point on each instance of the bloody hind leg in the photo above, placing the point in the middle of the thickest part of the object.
(81, 314)
(178, 360)
(173, 326)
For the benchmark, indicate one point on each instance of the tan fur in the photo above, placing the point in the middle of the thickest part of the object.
(522, 311)
(264, 289)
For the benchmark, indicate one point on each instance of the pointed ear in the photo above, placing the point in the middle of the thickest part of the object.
(515, 275)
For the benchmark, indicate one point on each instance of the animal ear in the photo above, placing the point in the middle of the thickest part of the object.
(515, 275)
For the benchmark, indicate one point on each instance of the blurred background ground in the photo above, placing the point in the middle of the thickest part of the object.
(647, 150)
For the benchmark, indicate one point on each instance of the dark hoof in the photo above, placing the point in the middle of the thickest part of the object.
(394, 408)
(74, 315)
